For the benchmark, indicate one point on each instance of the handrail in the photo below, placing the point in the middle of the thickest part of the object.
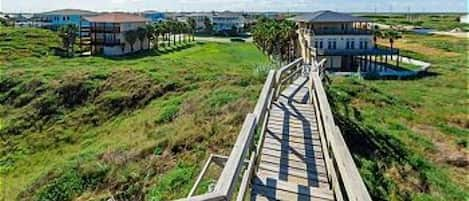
(347, 176)
(341, 169)
(236, 161)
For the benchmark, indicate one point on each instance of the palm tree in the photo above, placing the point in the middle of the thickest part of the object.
(68, 33)
(158, 30)
(275, 38)
(131, 37)
(150, 33)
(208, 25)
(141, 35)
(193, 26)
(167, 30)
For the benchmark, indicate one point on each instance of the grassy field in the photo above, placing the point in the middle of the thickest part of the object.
(136, 127)
(410, 137)
(440, 22)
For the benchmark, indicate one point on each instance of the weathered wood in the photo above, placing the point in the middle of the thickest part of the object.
(201, 175)
(225, 184)
(354, 186)
(300, 179)
(297, 189)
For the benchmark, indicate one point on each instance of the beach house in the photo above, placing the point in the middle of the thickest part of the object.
(107, 33)
(57, 18)
(346, 41)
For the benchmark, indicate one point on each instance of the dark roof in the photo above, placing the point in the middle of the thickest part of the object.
(328, 16)
(116, 18)
(70, 12)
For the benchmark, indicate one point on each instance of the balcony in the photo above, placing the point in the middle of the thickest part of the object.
(355, 52)
(341, 32)
(100, 41)
(105, 29)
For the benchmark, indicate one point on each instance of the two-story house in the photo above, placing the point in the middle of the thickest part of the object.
(107, 33)
(228, 22)
(346, 41)
(58, 18)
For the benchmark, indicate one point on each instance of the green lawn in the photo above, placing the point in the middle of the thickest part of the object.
(409, 137)
(137, 127)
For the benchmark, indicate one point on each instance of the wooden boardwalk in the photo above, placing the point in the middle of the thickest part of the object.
(292, 165)
(280, 151)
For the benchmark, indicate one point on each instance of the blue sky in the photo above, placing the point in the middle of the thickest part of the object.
(238, 5)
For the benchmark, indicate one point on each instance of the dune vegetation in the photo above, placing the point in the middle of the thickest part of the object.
(410, 137)
(134, 128)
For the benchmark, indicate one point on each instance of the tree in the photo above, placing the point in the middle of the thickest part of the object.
(68, 34)
(150, 33)
(131, 37)
(193, 26)
(158, 30)
(141, 35)
(275, 37)
(208, 25)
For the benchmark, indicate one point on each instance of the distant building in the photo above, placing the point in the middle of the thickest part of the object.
(154, 16)
(57, 18)
(346, 41)
(222, 22)
(228, 22)
(464, 19)
(199, 20)
(107, 33)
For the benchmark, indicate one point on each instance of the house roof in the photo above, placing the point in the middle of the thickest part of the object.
(116, 18)
(328, 16)
(70, 12)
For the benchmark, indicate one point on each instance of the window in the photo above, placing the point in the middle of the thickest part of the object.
(366, 44)
(347, 44)
(315, 44)
(361, 44)
(334, 44)
(63, 18)
(320, 44)
(352, 44)
(329, 44)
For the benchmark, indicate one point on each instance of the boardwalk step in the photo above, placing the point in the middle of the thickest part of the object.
(297, 138)
(319, 165)
(278, 133)
(313, 181)
(270, 185)
(280, 142)
(314, 152)
(280, 124)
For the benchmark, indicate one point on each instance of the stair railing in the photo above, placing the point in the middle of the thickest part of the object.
(345, 179)
(238, 168)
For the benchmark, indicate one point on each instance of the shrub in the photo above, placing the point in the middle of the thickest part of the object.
(175, 183)
(72, 183)
(168, 111)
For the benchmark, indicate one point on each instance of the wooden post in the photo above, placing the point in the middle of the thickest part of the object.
(398, 58)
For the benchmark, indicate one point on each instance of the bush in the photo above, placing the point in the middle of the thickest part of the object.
(72, 183)
(175, 183)
(237, 40)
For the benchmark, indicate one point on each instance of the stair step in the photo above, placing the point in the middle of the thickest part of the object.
(269, 188)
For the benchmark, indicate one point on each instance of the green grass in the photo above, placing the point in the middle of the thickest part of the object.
(441, 22)
(408, 136)
(136, 117)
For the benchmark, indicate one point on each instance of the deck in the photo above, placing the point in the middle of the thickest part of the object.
(292, 165)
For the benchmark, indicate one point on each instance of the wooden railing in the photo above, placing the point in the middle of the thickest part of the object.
(240, 165)
(343, 174)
